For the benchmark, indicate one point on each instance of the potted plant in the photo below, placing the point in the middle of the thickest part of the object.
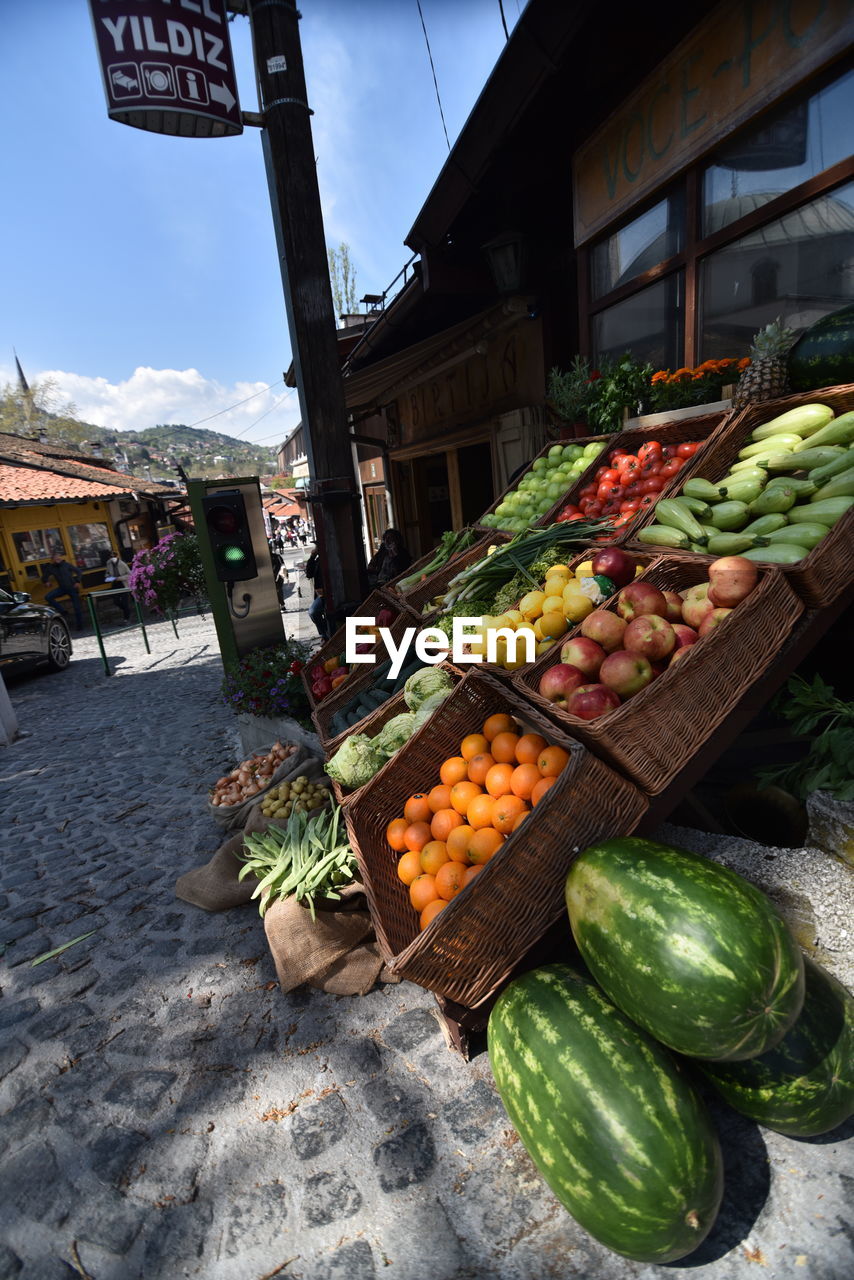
(162, 575)
(571, 395)
(266, 691)
(684, 388)
(622, 389)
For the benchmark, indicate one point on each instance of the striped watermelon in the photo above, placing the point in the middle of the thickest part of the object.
(607, 1116)
(805, 1084)
(692, 952)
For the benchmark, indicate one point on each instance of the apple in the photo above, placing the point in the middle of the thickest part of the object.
(731, 579)
(559, 682)
(583, 653)
(685, 636)
(713, 619)
(615, 564)
(696, 604)
(606, 628)
(386, 617)
(650, 636)
(674, 606)
(680, 653)
(640, 598)
(626, 673)
(591, 701)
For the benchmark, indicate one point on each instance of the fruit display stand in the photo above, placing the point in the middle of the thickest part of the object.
(821, 576)
(653, 734)
(471, 947)
(334, 648)
(392, 587)
(581, 440)
(419, 598)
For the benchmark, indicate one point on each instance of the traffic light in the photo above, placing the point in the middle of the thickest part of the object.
(230, 536)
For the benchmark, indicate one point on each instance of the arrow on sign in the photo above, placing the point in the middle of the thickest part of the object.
(222, 93)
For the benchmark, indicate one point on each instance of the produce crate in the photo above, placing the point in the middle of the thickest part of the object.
(371, 725)
(468, 951)
(582, 440)
(392, 587)
(436, 585)
(333, 648)
(652, 735)
(824, 574)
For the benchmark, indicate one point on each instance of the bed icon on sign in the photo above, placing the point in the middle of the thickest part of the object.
(158, 79)
(124, 80)
(192, 85)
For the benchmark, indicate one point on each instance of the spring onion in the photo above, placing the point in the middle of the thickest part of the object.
(485, 579)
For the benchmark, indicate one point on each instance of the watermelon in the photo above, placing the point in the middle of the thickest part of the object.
(687, 948)
(805, 1084)
(606, 1114)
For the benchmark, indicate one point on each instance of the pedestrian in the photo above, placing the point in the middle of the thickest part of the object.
(391, 559)
(117, 572)
(317, 608)
(278, 572)
(67, 577)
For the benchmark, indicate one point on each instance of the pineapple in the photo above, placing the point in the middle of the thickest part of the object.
(766, 377)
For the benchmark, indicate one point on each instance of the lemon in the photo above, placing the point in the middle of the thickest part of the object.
(576, 604)
(531, 605)
(504, 620)
(553, 603)
(515, 617)
(584, 570)
(553, 624)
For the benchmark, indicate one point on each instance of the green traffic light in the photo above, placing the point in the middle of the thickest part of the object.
(233, 555)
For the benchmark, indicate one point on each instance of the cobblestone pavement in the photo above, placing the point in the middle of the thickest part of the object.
(166, 1112)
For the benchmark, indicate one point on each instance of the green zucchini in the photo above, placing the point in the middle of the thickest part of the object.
(778, 553)
(696, 487)
(843, 460)
(804, 421)
(802, 488)
(774, 444)
(827, 511)
(806, 460)
(839, 431)
(743, 489)
(802, 535)
(671, 512)
(841, 486)
(774, 501)
(662, 535)
(733, 544)
(696, 506)
(763, 525)
(730, 516)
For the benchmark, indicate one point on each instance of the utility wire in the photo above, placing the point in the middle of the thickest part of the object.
(433, 69)
(220, 412)
(503, 20)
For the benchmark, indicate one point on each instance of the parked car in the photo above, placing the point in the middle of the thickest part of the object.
(32, 633)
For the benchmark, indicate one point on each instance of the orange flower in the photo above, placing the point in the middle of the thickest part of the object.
(681, 373)
(743, 363)
(661, 376)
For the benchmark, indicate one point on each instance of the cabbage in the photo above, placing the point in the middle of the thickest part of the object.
(394, 733)
(428, 706)
(356, 762)
(422, 683)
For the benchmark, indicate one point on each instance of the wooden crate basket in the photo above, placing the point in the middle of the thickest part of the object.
(582, 440)
(825, 573)
(334, 648)
(418, 599)
(469, 950)
(651, 736)
(392, 587)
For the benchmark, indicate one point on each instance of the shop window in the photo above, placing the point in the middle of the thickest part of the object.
(649, 324)
(784, 150)
(813, 260)
(90, 545)
(37, 544)
(649, 239)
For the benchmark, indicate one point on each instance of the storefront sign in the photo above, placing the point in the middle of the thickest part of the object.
(167, 66)
(740, 59)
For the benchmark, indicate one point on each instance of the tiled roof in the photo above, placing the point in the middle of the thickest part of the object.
(31, 484)
(18, 449)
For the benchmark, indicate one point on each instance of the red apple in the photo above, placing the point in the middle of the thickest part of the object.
(386, 617)
(615, 564)
(559, 682)
(695, 605)
(591, 701)
(680, 653)
(626, 673)
(650, 636)
(674, 606)
(640, 598)
(685, 636)
(731, 579)
(583, 653)
(712, 620)
(604, 627)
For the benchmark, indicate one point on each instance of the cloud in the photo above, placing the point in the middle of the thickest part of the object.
(170, 396)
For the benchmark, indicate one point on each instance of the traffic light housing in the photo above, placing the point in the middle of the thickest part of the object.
(230, 536)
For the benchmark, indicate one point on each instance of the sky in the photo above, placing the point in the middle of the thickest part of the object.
(139, 271)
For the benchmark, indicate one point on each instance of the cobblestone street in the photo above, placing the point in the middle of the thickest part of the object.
(165, 1111)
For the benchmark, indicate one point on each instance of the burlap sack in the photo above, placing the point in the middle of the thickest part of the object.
(303, 763)
(335, 952)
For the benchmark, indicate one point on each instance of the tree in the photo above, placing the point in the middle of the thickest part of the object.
(342, 277)
(40, 408)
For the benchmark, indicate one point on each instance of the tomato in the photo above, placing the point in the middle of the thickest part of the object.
(650, 467)
(612, 476)
(584, 504)
(668, 452)
(688, 449)
(607, 491)
(616, 454)
(673, 467)
(627, 464)
(600, 471)
(650, 448)
(630, 504)
(579, 516)
(589, 491)
(633, 490)
(623, 519)
(594, 511)
(648, 500)
(653, 484)
(611, 509)
(569, 509)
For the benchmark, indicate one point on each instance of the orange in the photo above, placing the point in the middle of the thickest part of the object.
(432, 909)
(506, 811)
(484, 844)
(439, 797)
(479, 767)
(433, 856)
(449, 880)
(454, 769)
(409, 866)
(529, 746)
(417, 835)
(444, 822)
(498, 723)
(520, 820)
(458, 843)
(422, 890)
(394, 833)
(498, 779)
(540, 790)
(469, 874)
(503, 747)
(472, 745)
(525, 777)
(417, 808)
(479, 812)
(462, 794)
(551, 761)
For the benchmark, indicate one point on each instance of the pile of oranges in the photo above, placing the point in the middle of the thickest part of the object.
(447, 834)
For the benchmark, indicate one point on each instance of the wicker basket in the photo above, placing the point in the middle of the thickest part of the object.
(582, 440)
(437, 584)
(826, 572)
(651, 736)
(467, 952)
(334, 648)
(392, 587)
